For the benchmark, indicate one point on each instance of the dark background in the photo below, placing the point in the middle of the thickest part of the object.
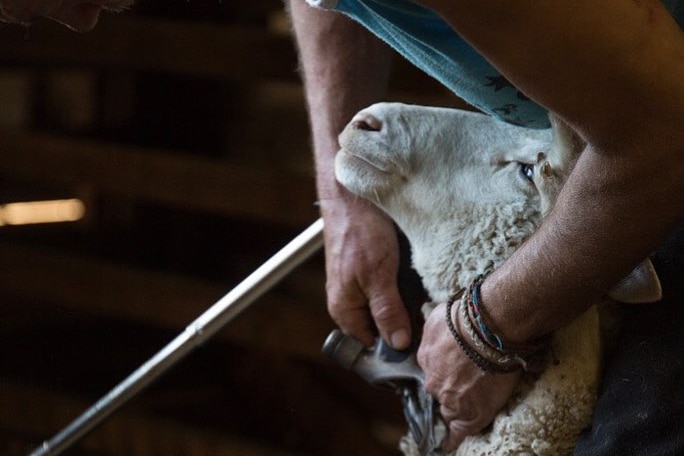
(181, 125)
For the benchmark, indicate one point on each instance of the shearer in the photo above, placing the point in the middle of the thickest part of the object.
(614, 71)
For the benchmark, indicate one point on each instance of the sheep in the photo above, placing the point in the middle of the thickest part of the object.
(467, 190)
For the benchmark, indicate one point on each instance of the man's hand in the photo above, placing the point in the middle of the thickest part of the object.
(362, 260)
(469, 398)
(345, 69)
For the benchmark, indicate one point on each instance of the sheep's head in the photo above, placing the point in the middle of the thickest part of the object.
(465, 188)
(396, 154)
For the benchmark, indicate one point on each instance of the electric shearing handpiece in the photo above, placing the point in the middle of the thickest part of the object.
(385, 367)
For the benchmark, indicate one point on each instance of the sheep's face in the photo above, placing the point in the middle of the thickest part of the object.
(396, 151)
(461, 185)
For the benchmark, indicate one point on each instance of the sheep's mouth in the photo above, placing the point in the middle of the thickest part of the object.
(365, 161)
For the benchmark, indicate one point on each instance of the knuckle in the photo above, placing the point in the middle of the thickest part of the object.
(339, 316)
(352, 320)
(335, 309)
(447, 399)
(384, 312)
(432, 385)
(421, 359)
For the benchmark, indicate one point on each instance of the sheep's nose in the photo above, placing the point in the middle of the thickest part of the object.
(365, 121)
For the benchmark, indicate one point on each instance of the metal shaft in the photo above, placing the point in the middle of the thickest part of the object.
(198, 332)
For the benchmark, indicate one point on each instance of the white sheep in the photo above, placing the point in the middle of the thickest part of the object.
(467, 190)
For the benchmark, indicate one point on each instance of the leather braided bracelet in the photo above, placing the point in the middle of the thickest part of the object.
(482, 362)
(483, 346)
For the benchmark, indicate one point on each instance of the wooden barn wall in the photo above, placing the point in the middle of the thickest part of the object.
(181, 126)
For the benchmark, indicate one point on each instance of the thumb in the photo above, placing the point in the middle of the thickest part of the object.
(391, 317)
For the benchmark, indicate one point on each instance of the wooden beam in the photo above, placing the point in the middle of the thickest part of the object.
(303, 411)
(164, 300)
(32, 411)
(177, 180)
(138, 43)
(233, 52)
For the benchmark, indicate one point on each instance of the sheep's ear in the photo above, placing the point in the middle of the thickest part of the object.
(553, 168)
(641, 285)
(568, 144)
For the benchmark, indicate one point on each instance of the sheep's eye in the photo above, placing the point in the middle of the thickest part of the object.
(527, 170)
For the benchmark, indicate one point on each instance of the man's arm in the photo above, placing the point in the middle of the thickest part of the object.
(345, 69)
(614, 70)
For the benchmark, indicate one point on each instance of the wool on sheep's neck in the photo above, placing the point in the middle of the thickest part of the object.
(450, 252)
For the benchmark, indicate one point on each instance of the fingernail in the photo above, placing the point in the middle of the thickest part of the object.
(399, 339)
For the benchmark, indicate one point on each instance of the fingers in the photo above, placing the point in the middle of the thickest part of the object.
(458, 431)
(362, 263)
(391, 317)
(469, 398)
(365, 313)
(353, 317)
(463, 418)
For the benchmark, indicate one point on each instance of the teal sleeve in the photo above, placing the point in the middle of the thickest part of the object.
(426, 40)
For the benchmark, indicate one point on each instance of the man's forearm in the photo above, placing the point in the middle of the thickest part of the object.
(608, 68)
(615, 71)
(344, 69)
(609, 217)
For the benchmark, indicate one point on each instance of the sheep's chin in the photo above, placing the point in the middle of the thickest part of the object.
(364, 160)
(361, 176)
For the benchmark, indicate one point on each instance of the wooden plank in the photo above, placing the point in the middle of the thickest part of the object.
(137, 43)
(38, 412)
(177, 180)
(303, 413)
(297, 325)
(232, 52)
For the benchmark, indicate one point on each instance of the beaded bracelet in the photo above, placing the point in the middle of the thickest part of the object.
(479, 316)
(474, 306)
(508, 361)
(486, 348)
(479, 360)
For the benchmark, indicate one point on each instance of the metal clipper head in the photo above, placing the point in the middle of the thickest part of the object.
(383, 366)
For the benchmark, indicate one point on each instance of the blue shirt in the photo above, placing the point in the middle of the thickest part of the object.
(426, 40)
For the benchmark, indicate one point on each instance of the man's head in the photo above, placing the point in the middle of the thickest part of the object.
(79, 15)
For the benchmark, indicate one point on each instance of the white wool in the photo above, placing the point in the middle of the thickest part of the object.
(468, 243)
(453, 182)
